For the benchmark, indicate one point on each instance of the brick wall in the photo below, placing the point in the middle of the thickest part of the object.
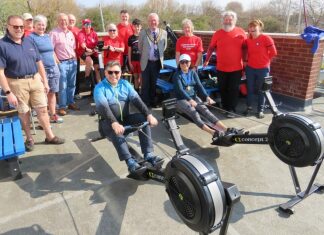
(295, 70)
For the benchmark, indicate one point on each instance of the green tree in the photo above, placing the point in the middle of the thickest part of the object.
(50, 9)
(272, 24)
(315, 12)
(10, 7)
(234, 6)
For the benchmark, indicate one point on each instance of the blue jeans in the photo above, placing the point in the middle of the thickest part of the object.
(119, 141)
(255, 79)
(68, 71)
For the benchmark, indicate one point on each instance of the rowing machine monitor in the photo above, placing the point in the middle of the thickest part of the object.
(169, 108)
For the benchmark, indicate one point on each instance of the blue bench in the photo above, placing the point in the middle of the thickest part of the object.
(164, 86)
(11, 143)
(11, 138)
(166, 71)
(211, 90)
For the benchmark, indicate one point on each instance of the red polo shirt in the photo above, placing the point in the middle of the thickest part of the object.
(91, 40)
(260, 51)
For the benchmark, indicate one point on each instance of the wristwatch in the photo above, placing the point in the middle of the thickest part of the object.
(8, 92)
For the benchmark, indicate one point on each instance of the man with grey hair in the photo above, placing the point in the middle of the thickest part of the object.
(23, 79)
(229, 43)
(152, 43)
(64, 47)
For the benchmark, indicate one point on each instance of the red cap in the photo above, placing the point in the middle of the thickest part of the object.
(86, 21)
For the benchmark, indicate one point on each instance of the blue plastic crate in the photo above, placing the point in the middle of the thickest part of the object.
(11, 138)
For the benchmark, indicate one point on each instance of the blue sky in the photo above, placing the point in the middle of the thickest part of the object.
(222, 3)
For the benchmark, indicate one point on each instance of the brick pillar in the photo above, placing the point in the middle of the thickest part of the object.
(295, 70)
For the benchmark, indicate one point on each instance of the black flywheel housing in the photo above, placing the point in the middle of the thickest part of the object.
(196, 193)
(296, 140)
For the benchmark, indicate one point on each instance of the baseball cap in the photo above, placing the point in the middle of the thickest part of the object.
(86, 21)
(27, 16)
(185, 57)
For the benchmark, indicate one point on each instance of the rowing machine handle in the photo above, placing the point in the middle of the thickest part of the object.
(135, 127)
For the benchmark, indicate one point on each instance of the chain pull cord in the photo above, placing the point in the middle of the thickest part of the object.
(237, 115)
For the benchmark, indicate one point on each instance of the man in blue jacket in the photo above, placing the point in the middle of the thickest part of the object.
(112, 97)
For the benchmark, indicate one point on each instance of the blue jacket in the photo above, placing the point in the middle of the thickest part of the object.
(112, 102)
(312, 33)
(188, 88)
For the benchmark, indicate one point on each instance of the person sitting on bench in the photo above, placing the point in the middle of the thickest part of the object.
(187, 85)
(112, 97)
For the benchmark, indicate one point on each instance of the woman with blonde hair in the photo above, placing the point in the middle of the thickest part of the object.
(189, 44)
(261, 49)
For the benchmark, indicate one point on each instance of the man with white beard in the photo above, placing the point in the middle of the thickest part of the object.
(229, 43)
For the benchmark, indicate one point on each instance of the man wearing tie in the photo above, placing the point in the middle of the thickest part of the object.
(151, 44)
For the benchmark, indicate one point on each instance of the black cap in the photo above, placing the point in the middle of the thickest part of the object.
(136, 22)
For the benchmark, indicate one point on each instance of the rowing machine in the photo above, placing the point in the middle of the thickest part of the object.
(200, 198)
(294, 139)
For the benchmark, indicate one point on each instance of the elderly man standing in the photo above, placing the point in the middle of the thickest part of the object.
(229, 43)
(64, 48)
(23, 79)
(152, 44)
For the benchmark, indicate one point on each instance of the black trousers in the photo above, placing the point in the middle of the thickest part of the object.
(229, 85)
(149, 77)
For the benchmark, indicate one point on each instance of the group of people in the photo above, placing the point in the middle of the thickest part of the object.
(39, 63)
(236, 50)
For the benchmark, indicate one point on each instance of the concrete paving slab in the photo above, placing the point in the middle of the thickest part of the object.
(81, 187)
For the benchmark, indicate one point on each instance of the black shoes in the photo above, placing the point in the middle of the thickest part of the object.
(248, 111)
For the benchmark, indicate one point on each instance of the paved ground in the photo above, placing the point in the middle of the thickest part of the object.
(81, 187)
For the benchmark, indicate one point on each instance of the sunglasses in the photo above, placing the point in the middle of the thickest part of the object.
(87, 24)
(112, 30)
(184, 62)
(111, 72)
(17, 26)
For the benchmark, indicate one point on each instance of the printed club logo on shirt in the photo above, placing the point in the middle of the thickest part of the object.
(188, 46)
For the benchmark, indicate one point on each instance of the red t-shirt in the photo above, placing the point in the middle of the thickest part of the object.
(125, 32)
(260, 51)
(91, 41)
(191, 46)
(27, 32)
(113, 55)
(75, 30)
(229, 49)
